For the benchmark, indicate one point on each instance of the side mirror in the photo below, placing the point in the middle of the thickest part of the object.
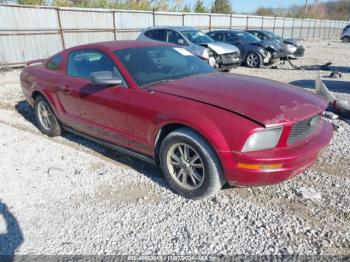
(105, 78)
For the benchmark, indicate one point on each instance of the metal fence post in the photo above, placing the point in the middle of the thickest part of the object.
(247, 23)
(319, 28)
(301, 28)
(284, 23)
(154, 17)
(209, 22)
(313, 35)
(183, 19)
(292, 28)
(114, 26)
(60, 28)
(231, 21)
(274, 24)
(262, 23)
(324, 29)
(308, 30)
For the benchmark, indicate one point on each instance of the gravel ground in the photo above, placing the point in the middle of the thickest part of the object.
(67, 195)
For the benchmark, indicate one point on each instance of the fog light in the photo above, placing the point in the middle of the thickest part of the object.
(260, 166)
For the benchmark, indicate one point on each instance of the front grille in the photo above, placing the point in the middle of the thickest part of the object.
(303, 129)
(229, 58)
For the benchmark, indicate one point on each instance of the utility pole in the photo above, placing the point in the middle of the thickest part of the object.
(306, 6)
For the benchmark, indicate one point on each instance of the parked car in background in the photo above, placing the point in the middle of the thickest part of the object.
(162, 104)
(291, 47)
(345, 36)
(254, 52)
(217, 54)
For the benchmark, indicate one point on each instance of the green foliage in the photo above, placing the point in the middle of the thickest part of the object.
(161, 5)
(30, 2)
(265, 11)
(200, 7)
(222, 7)
(337, 10)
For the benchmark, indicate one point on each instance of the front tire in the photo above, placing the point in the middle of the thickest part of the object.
(253, 60)
(45, 117)
(190, 165)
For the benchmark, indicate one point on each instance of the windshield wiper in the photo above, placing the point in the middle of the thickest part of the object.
(157, 82)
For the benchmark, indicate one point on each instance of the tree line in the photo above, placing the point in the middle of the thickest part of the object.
(335, 10)
(216, 6)
(332, 9)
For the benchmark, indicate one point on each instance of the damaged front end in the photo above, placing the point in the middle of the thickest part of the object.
(292, 49)
(271, 52)
(222, 56)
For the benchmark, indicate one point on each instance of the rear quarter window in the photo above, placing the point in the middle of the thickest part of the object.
(55, 62)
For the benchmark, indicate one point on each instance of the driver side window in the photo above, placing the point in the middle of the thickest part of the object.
(217, 36)
(175, 38)
(261, 36)
(231, 38)
(82, 63)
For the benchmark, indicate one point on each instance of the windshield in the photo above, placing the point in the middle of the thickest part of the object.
(197, 37)
(271, 35)
(247, 38)
(150, 65)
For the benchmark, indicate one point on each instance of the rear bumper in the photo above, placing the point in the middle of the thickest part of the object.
(294, 160)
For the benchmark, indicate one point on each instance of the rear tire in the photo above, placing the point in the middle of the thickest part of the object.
(190, 165)
(45, 117)
(253, 60)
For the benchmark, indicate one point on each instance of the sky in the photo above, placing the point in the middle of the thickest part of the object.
(242, 6)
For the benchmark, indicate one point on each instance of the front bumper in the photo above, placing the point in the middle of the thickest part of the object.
(228, 60)
(294, 160)
(273, 57)
(298, 53)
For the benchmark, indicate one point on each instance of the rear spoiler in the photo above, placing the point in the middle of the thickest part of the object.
(34, 62)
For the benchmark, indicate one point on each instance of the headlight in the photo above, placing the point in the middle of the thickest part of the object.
(264, 139)
(291, 48)
(206, 54)
(267, 54)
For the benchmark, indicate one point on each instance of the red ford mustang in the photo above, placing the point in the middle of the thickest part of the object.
(158, 102)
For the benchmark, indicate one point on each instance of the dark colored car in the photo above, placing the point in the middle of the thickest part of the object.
(162, 104)
(290, 46)
(254, 52)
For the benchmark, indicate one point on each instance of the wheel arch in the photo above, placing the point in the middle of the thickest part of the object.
(169, 127)
(52, 100)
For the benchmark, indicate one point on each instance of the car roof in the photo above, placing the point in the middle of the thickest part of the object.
(228, 30)
(256, 30)
(176, 28)
(118, 45)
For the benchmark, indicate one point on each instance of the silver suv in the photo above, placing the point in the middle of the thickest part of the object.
(345, 36)
(217, 54)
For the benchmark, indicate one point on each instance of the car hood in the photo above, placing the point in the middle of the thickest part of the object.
(271, 43)
(221, 48)
(290, 41)
(264, 101)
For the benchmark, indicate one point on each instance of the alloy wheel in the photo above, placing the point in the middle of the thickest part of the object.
(185, 166)
(44, 115)
(252, 60)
